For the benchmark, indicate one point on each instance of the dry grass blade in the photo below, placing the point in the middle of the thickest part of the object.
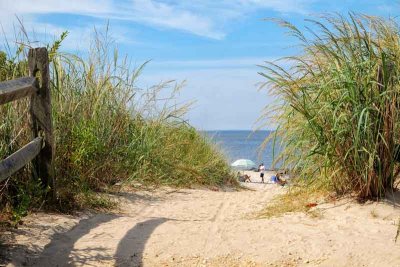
(107, 130)
(338, 117)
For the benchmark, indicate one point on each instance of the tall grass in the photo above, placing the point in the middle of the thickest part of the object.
(107, 130)
(339, 99)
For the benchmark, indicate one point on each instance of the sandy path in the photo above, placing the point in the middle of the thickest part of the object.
(208, 228)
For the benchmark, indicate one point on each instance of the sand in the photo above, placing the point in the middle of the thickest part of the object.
(196, 227)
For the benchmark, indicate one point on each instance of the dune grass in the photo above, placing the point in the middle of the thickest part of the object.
(298, 198)
(338, 113)
(107, 131)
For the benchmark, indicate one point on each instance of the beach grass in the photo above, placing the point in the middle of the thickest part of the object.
(299, 199)
(108, 130)
(337, 114)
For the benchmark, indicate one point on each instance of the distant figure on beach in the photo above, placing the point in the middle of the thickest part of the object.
(273, 178)
(243, 178)
(279, 180)
(262, 170)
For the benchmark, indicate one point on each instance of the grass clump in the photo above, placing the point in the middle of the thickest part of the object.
(107, 131)
(338, 114)
(298, 199)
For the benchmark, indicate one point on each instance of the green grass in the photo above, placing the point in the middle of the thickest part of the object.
(338, 113)
(107, 131)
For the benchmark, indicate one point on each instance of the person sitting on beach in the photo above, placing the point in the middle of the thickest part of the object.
(279, 180)
(262, 170)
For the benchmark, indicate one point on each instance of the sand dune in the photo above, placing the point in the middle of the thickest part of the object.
(209, 228)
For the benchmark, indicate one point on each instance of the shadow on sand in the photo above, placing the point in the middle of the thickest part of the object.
(393, 198)
(58, 251)
(130, 249)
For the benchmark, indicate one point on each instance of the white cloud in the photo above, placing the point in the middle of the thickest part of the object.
(82, 7)
(41, 33)
(206, 18)
(162, 14)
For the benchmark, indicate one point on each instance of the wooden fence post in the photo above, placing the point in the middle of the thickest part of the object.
(40, 110)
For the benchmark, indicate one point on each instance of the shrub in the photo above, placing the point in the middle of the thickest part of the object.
(338, 116)
(107, 130)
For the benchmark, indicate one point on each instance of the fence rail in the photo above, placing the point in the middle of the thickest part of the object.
(16, 89)
(20, 158)
(40, 151)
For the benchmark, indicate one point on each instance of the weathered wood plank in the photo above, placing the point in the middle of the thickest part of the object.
(16, 89)
(38, 61)
(20, 158)
(38, 112)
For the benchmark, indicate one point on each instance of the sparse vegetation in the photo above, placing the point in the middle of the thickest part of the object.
(299, 199)
(374, 213)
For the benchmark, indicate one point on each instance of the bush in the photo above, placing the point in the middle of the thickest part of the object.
(338, 117)
(107, 130)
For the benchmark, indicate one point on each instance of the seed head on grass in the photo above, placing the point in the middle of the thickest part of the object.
(107, 129)
(338, 112)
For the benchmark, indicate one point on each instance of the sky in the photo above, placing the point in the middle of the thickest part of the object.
(214, 46)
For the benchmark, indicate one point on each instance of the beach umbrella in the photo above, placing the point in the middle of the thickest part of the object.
(244, 164)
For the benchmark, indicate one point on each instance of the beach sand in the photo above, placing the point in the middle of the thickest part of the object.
(199, 227)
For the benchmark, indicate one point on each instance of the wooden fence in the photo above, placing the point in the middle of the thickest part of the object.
(40, 151)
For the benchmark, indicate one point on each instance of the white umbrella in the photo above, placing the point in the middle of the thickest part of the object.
(243, 164)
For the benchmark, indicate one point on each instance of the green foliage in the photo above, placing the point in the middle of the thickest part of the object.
(170, 155)
(16, 195)
(109, 131)
(338, 116)
(3, 62)
(56, 45)
(23, 196)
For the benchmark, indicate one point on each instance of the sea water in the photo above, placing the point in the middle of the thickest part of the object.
(246, 145)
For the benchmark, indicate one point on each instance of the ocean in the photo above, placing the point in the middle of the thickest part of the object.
(245, 145)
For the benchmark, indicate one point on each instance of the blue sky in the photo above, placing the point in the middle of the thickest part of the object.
(213, 45)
